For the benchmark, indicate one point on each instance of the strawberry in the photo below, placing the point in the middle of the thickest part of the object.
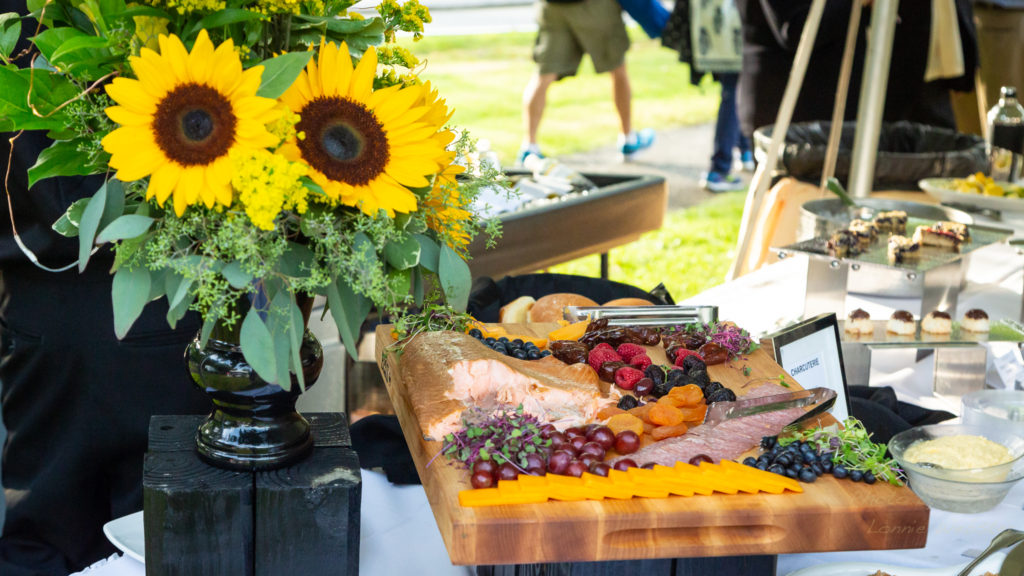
(683, 353)
(601, 355)
(627, 350)
(627, 377)
(641, 361)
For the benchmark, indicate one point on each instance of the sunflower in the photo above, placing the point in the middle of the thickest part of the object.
(444, 206)
(365, 148)
(183, 116)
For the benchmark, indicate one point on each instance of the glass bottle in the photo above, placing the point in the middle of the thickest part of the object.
(1005, 144)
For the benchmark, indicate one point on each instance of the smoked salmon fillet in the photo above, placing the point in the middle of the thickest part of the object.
(448, 372)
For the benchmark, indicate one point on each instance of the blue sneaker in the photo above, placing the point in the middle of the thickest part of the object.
(527, 151)
(747, 160)
(641, 140)
(718, 182)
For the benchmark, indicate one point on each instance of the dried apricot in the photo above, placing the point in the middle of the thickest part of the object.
(609, 411)
(665, 415)
(674, 401)
(624, 421)
(694, 413)
(641, 411)
(689, 395)
(662, 432)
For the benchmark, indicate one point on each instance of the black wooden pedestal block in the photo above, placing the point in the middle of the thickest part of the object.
(302, 519)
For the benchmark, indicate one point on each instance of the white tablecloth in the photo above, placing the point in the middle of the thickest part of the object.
(399, 535)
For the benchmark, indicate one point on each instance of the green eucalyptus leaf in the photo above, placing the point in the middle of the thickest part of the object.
(403, 254)
(10, 30)
(62, 158)
(417, 286)
(279, 323)
(181, 290)
(349, 310)
(235, 275)
(430, 252)
(296, 330)
(127, 226)
(68, 223)
(129, 293)
(400, 281)
(208, 325)
(89, 225)
(177, 312)
(158, 283)
(416, 225)
(297, 261)
(49, 90)
(455, 278)
(113, 208)
(258, 346)
(280, 73)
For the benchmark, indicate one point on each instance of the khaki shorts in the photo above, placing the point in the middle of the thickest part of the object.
(568, 31)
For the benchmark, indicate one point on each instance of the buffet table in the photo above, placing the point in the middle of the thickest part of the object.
(399, 534)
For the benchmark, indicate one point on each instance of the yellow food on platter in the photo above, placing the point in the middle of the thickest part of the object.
(979, 183)
(960, 452)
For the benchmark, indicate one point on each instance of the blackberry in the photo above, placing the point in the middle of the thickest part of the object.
(627, 402)
(691, 363)
(655, 372)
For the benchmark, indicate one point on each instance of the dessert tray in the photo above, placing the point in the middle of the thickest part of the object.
(1001, 331)
(944, 191)
(929, 257)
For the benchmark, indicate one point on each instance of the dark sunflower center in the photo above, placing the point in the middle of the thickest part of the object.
(194, 124)
(343, 140)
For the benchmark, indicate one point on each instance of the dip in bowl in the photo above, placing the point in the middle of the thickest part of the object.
(959, 467)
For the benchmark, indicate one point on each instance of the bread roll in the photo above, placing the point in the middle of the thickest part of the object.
(628, 302)
(550, 308)
(516, 311)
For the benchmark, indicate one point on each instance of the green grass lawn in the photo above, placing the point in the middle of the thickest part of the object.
(482, 78)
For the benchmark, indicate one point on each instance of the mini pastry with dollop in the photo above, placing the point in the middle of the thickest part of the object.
(901, 322)
(859, 322)
(937, 322)
(975, 320)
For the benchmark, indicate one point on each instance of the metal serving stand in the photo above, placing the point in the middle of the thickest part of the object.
(935, 278)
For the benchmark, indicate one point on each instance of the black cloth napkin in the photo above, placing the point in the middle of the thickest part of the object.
(379, 442)
(884, 416)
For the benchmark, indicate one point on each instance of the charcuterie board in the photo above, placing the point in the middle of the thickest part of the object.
(829, 515)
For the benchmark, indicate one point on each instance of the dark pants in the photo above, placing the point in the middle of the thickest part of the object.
(727, 128)
(76, 403)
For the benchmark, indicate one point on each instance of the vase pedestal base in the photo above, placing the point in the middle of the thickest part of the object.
(202, 519)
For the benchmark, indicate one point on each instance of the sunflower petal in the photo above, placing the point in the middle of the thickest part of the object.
(227, 68)
(155, 82)
(396, 104)
(126, 117)
(129, 93)
(174, 56)
(163, 181)
(361, 85)
(201, 58)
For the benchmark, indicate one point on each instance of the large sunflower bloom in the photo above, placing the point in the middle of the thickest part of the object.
(365, 148)
(183, 116)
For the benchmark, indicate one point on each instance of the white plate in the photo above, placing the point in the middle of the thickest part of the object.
(942, 189)
(126, 533)
(990, 564)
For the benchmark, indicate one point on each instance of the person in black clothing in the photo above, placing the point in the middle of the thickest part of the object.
(76, 401)
(771, 33)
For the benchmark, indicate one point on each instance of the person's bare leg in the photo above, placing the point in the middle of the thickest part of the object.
(534, 101)
(623, 96)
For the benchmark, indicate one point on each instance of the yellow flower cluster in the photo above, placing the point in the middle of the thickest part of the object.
(284, 126)
(190, 6)
(147, 31)
(268, 184)
(288, 6)
(444, 207)
(408, 17)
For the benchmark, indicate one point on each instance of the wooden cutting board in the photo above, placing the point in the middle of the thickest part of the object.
(829, 515)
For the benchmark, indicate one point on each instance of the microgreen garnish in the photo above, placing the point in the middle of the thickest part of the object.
(505, 435)
(852, 447)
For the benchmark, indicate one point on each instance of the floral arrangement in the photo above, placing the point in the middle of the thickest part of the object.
(262, 150)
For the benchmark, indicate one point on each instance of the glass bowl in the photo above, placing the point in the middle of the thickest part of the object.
(967, 490)
(1000, 408)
